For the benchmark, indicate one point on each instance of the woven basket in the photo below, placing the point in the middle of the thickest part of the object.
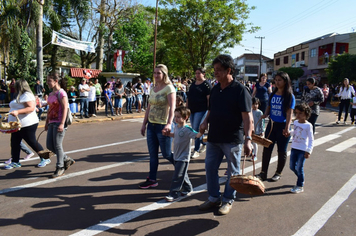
(335, 103)
(45, 154)
(9, 127)
(261, 140)
(247, 184)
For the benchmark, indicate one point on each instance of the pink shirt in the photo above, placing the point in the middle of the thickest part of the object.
(55, 111)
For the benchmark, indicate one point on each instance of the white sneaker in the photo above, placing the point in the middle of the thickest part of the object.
(297, 189)
(8, 161)
(345, 123)
(94, 115)
(29, 156)
(195, 155)
(202, 149)
(44, 163)
(337, 122)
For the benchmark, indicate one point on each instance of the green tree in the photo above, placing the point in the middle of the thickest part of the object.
(195, 31)
(134, 34)
(342, 66)
(293, 72)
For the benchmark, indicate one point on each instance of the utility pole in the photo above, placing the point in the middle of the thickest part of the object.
(39, 37)
(155, 42)
(260, 52)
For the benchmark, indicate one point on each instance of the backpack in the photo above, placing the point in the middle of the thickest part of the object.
(69, 118)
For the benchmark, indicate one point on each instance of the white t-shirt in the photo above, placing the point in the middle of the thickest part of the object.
(303, 137)
(84, 94)
(25, 119)
(92, 94)
(146, 88)
(346, 93)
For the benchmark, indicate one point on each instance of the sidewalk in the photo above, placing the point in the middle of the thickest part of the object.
(100, 116)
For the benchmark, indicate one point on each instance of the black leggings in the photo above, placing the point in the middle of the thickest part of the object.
(345, 103)
(29, 135)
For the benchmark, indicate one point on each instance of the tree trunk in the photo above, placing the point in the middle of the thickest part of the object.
(39, 42)
(109, 56)
(100, 48)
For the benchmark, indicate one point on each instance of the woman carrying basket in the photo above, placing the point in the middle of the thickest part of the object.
(24, 107)
(280, 108)
(57, 113)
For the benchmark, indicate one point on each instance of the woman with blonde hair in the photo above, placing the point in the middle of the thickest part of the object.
(158, 118)
(55, 123)
(24, 106)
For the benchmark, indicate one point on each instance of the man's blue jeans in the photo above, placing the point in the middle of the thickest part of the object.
(196, 119)
(215, 153)
(84, 106)
(296, 164)
(155, 139)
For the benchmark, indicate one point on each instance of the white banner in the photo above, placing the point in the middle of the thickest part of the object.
(65, 41)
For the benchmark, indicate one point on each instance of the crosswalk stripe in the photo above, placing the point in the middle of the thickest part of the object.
(326, 138)
(343, 145)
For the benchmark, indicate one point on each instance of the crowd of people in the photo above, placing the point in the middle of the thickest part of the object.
(229, 110)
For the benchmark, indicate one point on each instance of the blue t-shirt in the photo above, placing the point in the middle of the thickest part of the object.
(262, 91)
(276, 113)
(108, 92)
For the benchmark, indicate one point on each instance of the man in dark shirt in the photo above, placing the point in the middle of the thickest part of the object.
(229, 117)
(39, 89)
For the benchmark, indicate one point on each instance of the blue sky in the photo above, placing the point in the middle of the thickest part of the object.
(285, 23)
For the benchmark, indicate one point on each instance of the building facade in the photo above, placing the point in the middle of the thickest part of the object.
(248, 66)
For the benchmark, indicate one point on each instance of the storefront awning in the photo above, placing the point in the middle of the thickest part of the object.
(84, 73)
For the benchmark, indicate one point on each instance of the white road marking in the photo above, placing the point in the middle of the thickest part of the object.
(21, 187)
(121, 219)
(317, 221)
(343, 145)
(90, 148)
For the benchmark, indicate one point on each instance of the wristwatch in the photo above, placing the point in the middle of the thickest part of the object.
(248, 137)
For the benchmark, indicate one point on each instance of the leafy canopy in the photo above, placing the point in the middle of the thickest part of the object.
(341, 67)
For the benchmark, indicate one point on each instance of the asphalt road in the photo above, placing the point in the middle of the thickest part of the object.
(99, 194)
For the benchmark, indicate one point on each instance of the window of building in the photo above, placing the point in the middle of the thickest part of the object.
(297, 57)
(285, 59)
(303, 56)
(313, 52)
(342, 49)
(278, 61)
(251, 70)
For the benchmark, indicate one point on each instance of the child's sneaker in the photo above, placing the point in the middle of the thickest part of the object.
(170, 198)
(195, 155)
(8, 161)
(148, 184)
(12, 165)
(297, 189)
(43, 163)
(29, 156)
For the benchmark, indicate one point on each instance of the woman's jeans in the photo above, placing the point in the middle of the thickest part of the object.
(29, 135)
(196, 118)
(276, 136)
(108, 103)
(345, 103)
(155, 140)
(25, 149)
(312, 120)
(215, 153)
(129, 104)
(54, 143)
(297, 160)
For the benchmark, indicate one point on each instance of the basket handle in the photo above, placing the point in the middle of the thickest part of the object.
(39, 138)
(260, 120)
(243, 166)
(17, 117)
